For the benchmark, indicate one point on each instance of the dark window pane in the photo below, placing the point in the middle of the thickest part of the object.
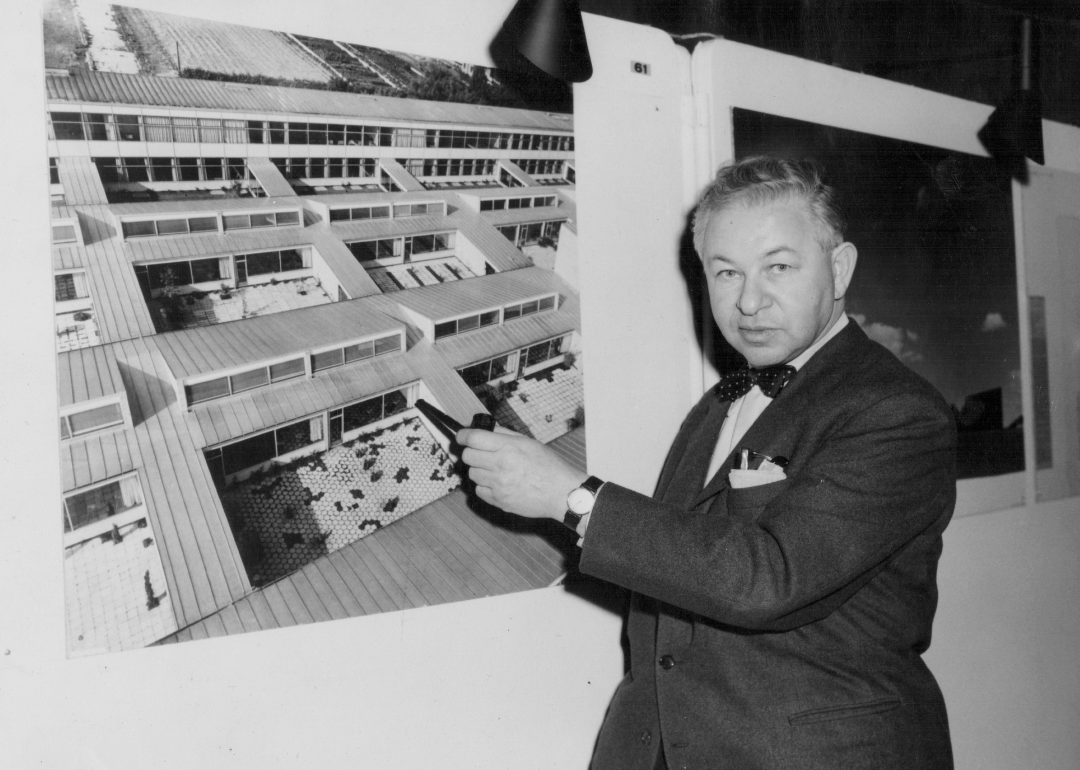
(263, 263)
(204, 391)
(339, 215)
(326, 359)
(65, 287)
(394, 403)
(161, 169)
(467, 324)
(262, 220)
(547, 303)
(95, 419)
(138, 229)
(135, 170)
(364, 250)
(172, 226)
(387, 344)
(255, 132)
(316, 133)
(189, 169)
(489, 318)
(127, 128)
(205, 270)
(97, 126)
(499, 367)
(364, 413)
(293, 437)
(486, 205)
(286, 369)
(251, 379)
(298, 133)
(236, 221)
(245, 454)
(169, 274)
(445, 329)
(475, 376)
(288, 218)
(380, 212)
(317, 168)
(335, 168)
(423, 244)
(277, 132)
(528, 308)
(537, 354)
(203, 224)
(511, 311)
(214, 168)
(292, 259)
(67, 125)
(359, 352)
(94, 505)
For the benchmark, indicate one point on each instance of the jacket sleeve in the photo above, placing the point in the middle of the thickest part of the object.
(778, 556)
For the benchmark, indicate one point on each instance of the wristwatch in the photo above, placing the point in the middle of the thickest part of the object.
(580, 501)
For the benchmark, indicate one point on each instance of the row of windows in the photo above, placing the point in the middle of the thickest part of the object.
(528, 308)
(163, 275)
(461, 325)
(400, 210)
(208, 224)
(544, 351)
(484, 372)
(366, 412)
(533, 166)
(101, 502)
(252, 378)
(328, 359)
(528, 234)
(406, 247)
(499, 204)
(420, 167)
(263, 447)
(492, 317)
(327, 168)
(70, 286)
(171, 169)
(90, 420)
(162, 128)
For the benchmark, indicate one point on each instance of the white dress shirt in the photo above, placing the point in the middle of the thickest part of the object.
(747, 408)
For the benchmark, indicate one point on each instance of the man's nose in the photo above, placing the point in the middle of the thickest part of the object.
(753, 296)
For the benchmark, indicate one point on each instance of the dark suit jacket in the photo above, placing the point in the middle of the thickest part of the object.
(781, 626)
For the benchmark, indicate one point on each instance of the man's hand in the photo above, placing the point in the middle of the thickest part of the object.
(518, 474)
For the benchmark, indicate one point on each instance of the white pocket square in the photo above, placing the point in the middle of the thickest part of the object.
(766, 474)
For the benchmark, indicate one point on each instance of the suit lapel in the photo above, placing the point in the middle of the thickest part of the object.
(688, 475)
(775, 431)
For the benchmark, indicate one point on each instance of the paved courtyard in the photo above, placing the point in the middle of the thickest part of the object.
(207, 308)
(108, 583)
(76, 330)
(296, 513)
(545, 404)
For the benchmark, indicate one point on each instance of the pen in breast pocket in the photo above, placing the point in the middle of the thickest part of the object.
(751, 460)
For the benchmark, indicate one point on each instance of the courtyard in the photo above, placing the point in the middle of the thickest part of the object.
(286, 517)
(203, 308)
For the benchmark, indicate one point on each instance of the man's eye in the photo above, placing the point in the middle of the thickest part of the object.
(779, 268)
(726, 274)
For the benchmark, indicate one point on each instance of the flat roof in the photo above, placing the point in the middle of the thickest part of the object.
(445, 300)
(150, 91)
(208, 349)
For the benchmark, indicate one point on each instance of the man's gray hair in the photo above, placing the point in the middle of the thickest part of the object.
(764, 179)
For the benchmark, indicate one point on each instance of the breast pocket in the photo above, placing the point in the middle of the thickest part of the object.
(756, 497)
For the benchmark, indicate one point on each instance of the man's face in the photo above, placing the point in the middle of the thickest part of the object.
(774, 290)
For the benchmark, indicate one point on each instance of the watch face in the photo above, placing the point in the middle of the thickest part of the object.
(580, 501)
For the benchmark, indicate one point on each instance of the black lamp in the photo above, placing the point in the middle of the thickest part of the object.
(551, 35)
(1014, 130)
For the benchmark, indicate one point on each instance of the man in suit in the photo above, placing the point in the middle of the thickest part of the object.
(784, 573)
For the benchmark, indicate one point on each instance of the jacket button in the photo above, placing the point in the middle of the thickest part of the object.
(646, 737)
(667, 662)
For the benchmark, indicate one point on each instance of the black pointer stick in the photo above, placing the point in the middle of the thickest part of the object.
(448, 424)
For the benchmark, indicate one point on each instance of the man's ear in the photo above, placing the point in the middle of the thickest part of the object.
(843, 261)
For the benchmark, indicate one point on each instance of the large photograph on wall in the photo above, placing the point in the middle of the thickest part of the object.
(266, 248)
(936, 275)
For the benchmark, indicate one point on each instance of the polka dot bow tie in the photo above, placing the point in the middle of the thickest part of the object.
(771, 380)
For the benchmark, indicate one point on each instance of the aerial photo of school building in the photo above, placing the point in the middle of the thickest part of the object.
(254, 284)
